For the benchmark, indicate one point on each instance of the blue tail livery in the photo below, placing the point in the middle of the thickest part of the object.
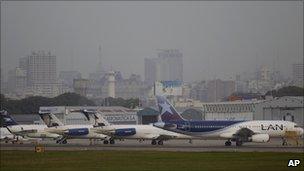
(167, 111)
(6, 119)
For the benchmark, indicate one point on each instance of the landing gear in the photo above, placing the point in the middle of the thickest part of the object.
(159, 142)
(62, 141)
(112, 141)
(105, 142)
(238, 143)
(228, 143)
(153, 142)
(284, 143)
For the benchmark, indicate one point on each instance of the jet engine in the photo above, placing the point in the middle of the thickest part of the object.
(125, 132)
(77, 131)
(260, 138)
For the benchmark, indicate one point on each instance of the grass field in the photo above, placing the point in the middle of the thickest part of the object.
(146, 160)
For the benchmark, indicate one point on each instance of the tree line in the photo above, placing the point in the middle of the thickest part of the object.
(286, 91)
(31, 105)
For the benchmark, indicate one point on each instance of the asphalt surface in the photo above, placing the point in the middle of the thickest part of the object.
(275, 145)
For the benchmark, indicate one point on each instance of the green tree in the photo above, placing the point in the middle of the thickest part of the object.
(128, 103)
(31, 105)
(287, 91)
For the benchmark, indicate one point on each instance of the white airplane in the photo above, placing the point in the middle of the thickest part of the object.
(259, 131)
(139, 132)
(6, 136)
(54, 125)
(25, 131)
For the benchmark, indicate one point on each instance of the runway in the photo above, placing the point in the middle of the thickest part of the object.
(173, 145)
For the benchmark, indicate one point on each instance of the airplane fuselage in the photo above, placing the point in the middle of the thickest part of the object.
(138, 132)
(225, 129)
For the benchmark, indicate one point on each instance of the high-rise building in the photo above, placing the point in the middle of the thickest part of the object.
(41, 68)
(101, 69)
(265, 73)
(199, 91)
(132, 87)
(67, 77)
(17, 80)
(150, 70)
(41, 73)
(168, 66)
(3, 85)
(218, 89)
(297, 74)
(86, 87)
(23, 63)
(171, 65)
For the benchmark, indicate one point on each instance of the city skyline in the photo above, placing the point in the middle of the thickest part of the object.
(217, 39)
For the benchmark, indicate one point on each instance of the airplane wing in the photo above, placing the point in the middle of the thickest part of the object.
(109, 132)
(24, 132)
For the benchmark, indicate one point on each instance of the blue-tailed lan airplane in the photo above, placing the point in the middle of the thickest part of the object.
(239, 131)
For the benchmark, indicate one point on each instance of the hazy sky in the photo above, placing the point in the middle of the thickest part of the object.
(217, 39)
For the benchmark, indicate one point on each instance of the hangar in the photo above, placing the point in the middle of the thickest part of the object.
(147, 115)
(280, 108)
(289, 108)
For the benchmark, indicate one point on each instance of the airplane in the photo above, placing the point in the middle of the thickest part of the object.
(139, 132)
(54, 125)
(25, 131)
(259, 131)
(6, 136)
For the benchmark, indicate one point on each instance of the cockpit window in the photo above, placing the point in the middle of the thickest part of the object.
(296, 126)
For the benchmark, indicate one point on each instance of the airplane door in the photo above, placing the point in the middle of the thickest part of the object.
(288, 117)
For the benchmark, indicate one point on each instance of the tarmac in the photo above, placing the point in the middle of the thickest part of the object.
(275, 145)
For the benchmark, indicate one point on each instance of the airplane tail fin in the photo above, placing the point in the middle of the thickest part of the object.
(97, 117)
(50, 119)
(6, 119)
(167, 111)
